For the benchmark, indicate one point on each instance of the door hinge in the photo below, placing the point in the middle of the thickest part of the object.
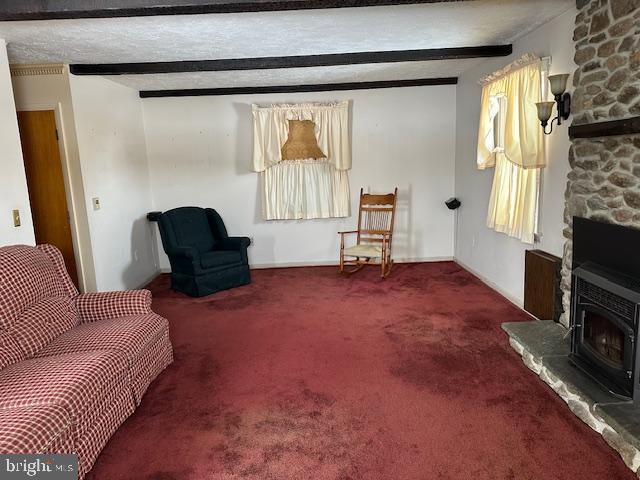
(57, 137)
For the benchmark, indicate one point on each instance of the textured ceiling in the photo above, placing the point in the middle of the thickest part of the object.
(196, 37)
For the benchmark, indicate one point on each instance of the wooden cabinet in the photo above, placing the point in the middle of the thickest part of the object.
(542, 293)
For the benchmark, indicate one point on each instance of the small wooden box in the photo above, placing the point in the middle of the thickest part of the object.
(542, 293)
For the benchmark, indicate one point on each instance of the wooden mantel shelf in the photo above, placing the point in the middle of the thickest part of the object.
(624, 126)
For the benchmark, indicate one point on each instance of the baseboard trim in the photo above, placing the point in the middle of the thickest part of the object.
(334, 263)
(517, 302)
(331, 263)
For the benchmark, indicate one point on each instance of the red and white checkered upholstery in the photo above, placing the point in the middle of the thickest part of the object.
(94, 440)
(36, 303)
(81, 383)
(58, 261)
(154, 359)
(10, 351)
(99, 306)
(132, 336)
(35, 429)
(72, 367)
(42, 322)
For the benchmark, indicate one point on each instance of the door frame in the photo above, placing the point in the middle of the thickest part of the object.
(68, 186)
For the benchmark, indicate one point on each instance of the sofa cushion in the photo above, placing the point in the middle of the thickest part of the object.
(42, 322)
(10, 351)
(34, 429)
(220, 258)
(130, 336)
(27, 275)
(35, 300)
(81, 383)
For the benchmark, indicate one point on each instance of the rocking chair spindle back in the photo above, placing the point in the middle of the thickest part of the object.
(376, 218)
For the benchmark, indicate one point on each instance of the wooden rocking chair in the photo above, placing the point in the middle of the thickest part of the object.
(375, 233)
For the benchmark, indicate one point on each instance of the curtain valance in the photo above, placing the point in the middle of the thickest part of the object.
(512, 94)
(271, 130)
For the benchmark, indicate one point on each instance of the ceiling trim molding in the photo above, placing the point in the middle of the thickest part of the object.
(325, 87)
(297, 61)
(70, 9)
(36, 69)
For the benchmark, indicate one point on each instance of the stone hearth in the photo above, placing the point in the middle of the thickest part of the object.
(544, 347)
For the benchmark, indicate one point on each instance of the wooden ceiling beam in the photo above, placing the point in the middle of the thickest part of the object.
(262, 63)
(70, 9)
(325, 87)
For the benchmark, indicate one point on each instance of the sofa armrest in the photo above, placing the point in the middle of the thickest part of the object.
(93, 307)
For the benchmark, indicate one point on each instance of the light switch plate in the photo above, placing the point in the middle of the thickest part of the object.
(16, 218)
(96, 203)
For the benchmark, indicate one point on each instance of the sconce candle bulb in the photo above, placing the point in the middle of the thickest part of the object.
(562, 100)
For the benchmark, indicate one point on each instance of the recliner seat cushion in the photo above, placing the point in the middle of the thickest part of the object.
(220, 258)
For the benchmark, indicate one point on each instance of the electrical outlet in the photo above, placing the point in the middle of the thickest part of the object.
(16, 218)
(96, 203)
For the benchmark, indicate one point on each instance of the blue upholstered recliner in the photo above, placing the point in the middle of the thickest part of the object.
(204, 258)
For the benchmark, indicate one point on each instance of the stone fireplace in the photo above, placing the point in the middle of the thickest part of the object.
(604, 181)
(602, 229)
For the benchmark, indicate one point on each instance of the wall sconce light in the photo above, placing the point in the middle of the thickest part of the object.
(562, 101)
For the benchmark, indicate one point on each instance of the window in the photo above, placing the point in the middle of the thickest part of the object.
(303, 154)
(510, 140)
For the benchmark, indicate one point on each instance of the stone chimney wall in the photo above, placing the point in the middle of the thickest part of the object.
(604, 182)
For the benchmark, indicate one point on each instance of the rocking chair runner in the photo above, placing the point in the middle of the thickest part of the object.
(375, 233)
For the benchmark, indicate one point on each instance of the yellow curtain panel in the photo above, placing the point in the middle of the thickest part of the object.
(516, 151)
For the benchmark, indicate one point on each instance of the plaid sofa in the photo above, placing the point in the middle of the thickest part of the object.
(73, 366)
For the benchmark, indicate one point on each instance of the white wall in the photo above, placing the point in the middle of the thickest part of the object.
(495, 257)
(200, 149)
(13, 183)
(52, 92)
(110, 134)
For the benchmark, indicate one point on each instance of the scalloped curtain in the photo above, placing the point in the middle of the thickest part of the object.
(304, 188)
(511, 140)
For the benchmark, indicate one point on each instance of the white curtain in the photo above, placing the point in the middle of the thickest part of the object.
(516, 151)
(513, 205)
(305, 188)
(523, 139)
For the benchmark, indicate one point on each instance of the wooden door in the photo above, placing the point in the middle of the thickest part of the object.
(45, 181)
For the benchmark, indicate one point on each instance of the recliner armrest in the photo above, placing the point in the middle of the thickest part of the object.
(185, 252)
(94, 307)
(233, 243)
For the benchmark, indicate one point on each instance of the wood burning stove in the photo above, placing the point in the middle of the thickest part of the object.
(604, 325)
(605, 305)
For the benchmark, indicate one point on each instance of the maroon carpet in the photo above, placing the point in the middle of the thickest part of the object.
(305, 374)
